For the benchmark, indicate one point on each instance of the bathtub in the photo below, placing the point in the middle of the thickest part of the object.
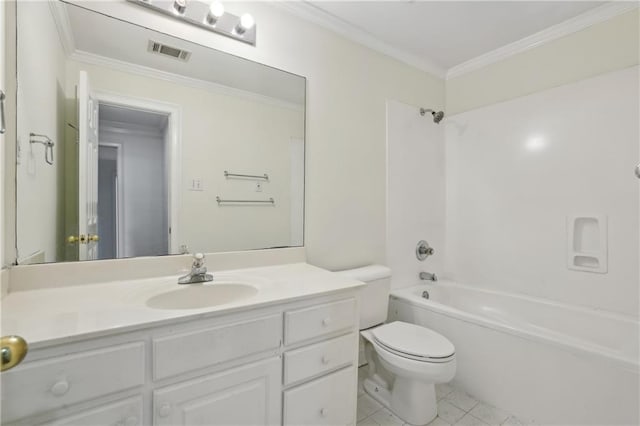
(544, 361)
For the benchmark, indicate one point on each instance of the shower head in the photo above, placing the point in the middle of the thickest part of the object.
(437, 115)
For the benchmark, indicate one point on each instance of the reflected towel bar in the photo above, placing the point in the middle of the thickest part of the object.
(269, 201)
(48, 145)
(264, 176)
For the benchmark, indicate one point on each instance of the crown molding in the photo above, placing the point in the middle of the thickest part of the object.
(584, 20)
(93, 59)
(312, 13)
(61, 20)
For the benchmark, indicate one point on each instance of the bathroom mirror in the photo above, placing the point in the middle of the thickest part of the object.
(133, 143)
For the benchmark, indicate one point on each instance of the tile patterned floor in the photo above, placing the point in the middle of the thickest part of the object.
(455, 408)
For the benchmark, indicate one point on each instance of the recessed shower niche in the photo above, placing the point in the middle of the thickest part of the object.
(587, 243)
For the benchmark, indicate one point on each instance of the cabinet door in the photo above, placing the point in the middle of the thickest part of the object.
(248, 395)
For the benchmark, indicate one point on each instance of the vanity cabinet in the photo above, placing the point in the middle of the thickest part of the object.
(290, 363)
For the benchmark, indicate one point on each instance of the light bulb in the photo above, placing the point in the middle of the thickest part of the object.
(179, 6)
(216, 10)
(246, 23)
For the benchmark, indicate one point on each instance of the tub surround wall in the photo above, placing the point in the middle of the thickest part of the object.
(516, 171)
(416, 192)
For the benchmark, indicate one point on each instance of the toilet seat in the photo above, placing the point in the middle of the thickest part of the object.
(413, 342)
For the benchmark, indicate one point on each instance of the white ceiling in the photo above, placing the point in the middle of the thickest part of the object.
(447, 33)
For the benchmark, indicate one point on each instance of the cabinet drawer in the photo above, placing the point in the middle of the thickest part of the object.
(307, 323)
(329, 400)
(316, 359)
(182, 352)
(40, 386)
(127, 412)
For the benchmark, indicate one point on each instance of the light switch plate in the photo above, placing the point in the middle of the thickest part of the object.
(196, 185)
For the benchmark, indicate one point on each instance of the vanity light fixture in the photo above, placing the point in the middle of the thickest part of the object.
(179, 6)
(209, 15)
(246, 23)
(216, 10)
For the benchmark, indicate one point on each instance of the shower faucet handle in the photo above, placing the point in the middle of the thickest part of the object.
(424, 250)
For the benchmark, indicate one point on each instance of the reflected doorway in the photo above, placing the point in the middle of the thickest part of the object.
(133, 213)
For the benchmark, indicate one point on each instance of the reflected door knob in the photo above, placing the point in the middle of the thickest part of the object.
(93, 238)
(14, 349)
(72, 239)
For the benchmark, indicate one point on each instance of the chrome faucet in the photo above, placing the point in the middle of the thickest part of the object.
(198, 272)
(428, 276)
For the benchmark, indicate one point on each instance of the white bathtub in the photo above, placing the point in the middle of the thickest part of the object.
(544, 361)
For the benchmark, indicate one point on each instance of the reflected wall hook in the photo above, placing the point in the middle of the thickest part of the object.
(48, 145)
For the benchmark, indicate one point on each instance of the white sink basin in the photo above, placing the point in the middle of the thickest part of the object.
(194, 296)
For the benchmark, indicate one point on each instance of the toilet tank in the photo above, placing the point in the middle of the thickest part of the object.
(374, 297)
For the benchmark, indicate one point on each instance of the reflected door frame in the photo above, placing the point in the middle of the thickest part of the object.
(173, 154)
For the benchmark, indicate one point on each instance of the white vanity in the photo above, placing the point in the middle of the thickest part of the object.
(101, 354)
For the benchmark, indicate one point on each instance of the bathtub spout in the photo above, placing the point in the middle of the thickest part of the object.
(428, 276)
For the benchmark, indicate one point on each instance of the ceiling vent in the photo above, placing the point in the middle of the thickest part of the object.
(173, 52)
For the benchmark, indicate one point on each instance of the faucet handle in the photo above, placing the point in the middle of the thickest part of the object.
(198, 260)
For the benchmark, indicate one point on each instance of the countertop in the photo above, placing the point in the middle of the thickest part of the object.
(61, 315)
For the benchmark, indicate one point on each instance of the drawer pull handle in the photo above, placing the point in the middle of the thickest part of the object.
(60, 388)
(325, 359)
(326, 321)
(165, 410)
(324, 412)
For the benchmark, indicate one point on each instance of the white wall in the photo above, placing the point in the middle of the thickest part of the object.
(416, 192)
(601, 48)
(515, 171)
(347, 89)
(40, 109)
(144, 199)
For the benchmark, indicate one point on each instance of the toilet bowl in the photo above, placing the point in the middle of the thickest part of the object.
(405, 361)
(416, 358)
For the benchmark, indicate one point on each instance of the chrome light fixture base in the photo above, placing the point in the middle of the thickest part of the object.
(196, 13)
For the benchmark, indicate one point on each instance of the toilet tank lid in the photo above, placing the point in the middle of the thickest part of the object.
(366, 273)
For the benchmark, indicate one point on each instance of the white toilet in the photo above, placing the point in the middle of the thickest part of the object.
(405, 360)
